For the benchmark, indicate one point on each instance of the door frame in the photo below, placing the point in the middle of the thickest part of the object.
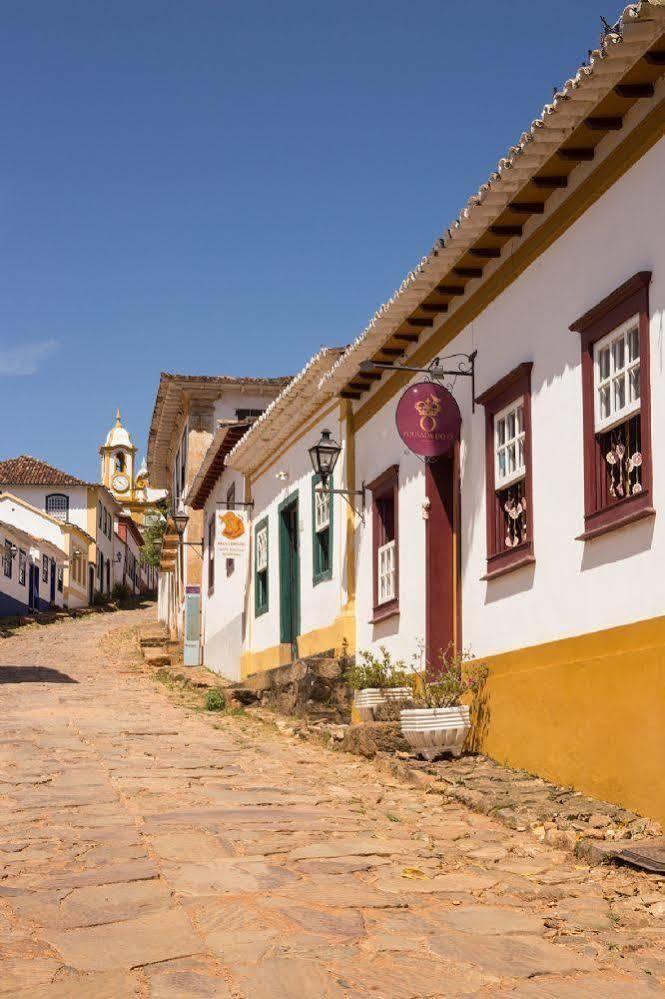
(289, 596)
(443, 617)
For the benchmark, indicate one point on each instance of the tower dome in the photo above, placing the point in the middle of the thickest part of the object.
(118, 436)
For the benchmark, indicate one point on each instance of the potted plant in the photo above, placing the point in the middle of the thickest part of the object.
(375, 680)
(441, 721)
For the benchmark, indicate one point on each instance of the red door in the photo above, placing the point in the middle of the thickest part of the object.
(443, 562)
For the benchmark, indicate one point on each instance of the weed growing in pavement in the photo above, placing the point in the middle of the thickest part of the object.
(215, 700)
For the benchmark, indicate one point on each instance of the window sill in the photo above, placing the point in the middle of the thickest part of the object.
(629, 511)
(516, 558)
(385, 611)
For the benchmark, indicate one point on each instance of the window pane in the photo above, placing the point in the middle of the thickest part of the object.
(604, 402)
(511, 425)
(618, 354)
(520, 453)
(511, 458)
(604, 364)
(520, 419)
(501, 432)
(633, 344)
(634, 384)
(619, 386)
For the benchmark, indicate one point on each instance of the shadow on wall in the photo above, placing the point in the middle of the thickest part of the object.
(617, 545)
(517, 581)
(33, 674)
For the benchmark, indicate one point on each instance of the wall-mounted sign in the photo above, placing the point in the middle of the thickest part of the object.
(232, 533)
(428, 420)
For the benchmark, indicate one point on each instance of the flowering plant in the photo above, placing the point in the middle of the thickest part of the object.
(457, 675)
(379, 671)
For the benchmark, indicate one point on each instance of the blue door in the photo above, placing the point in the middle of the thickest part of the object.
(33, 593)
(52, 580)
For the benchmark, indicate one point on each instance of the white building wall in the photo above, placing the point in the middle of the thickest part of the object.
(36, 496)
(13, 594)
(292, 474)
(574, 587)
(224, 608)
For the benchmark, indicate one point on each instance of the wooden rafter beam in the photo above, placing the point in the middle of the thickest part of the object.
(392, 351)
(577, 154)
(435, 308)
(550, 183)
(506, 230)
(634, 90)
(358, 386)
(372, 376)
(527, 207)
(468, 272)
(346, 394)
(417, 321)
(656, 58)
(491, 253)
(450, 289)
(604, 123)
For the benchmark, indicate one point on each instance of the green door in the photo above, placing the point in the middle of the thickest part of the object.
(289, 573)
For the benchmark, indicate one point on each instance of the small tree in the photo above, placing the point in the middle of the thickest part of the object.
(153, 532)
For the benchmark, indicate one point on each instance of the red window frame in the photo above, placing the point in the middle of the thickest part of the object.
(384, 487)
(601, 516)
(516, 384)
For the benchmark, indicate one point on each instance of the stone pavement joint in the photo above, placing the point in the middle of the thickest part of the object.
(148, 848)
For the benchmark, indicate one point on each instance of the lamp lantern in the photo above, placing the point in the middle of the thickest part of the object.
(324, 455)
(181, 519)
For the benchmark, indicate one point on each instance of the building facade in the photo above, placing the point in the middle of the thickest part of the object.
(188, 411)
(527, 346)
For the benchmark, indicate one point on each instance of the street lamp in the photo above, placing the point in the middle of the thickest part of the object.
(323, 456)
(181, 519)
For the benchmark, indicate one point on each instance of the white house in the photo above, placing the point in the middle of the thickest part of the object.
(523, 356)
(88, 505)
(286, 595)
(32, 572)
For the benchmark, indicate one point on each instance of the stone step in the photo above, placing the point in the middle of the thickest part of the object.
(156, 656)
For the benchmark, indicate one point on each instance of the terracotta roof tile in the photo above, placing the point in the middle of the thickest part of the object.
(28, 471)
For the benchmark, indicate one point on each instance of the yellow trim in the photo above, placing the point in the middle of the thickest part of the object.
(262, 469)
(350, 474)
(258, 662)
(626, 154)
(311, 644)
(586, 712)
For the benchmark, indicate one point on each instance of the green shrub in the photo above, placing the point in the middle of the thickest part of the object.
(369, 670)
(215, 700)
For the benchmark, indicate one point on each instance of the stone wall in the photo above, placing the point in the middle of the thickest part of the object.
(313, 687)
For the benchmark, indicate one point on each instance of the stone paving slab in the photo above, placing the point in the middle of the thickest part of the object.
(147, 849)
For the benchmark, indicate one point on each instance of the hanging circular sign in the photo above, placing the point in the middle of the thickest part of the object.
(428, 420)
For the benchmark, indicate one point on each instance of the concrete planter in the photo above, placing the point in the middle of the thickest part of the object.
(433, 731)
(365, 701)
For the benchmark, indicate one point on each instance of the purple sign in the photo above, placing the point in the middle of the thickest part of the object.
(428, 420)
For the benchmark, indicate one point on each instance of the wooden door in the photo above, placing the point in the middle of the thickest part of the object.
(289, 575)
(443, 568)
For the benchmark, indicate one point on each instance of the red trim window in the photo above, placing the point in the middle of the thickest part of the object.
(616, 403)
(508, 472)
(385, 543)
(211, 554)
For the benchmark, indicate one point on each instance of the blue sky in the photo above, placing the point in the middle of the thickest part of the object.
(213, 187)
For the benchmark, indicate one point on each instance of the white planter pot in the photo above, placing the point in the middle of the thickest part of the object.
(433, 731)
(365, 701)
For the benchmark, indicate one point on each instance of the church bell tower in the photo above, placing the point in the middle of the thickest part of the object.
(118, 455)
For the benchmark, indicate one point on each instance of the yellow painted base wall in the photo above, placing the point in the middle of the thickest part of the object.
(340, 631)
(586, 712)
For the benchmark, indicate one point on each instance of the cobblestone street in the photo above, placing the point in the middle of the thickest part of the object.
(151, 850)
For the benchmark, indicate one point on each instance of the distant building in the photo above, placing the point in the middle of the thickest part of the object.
(70, 500)
(120, 476)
